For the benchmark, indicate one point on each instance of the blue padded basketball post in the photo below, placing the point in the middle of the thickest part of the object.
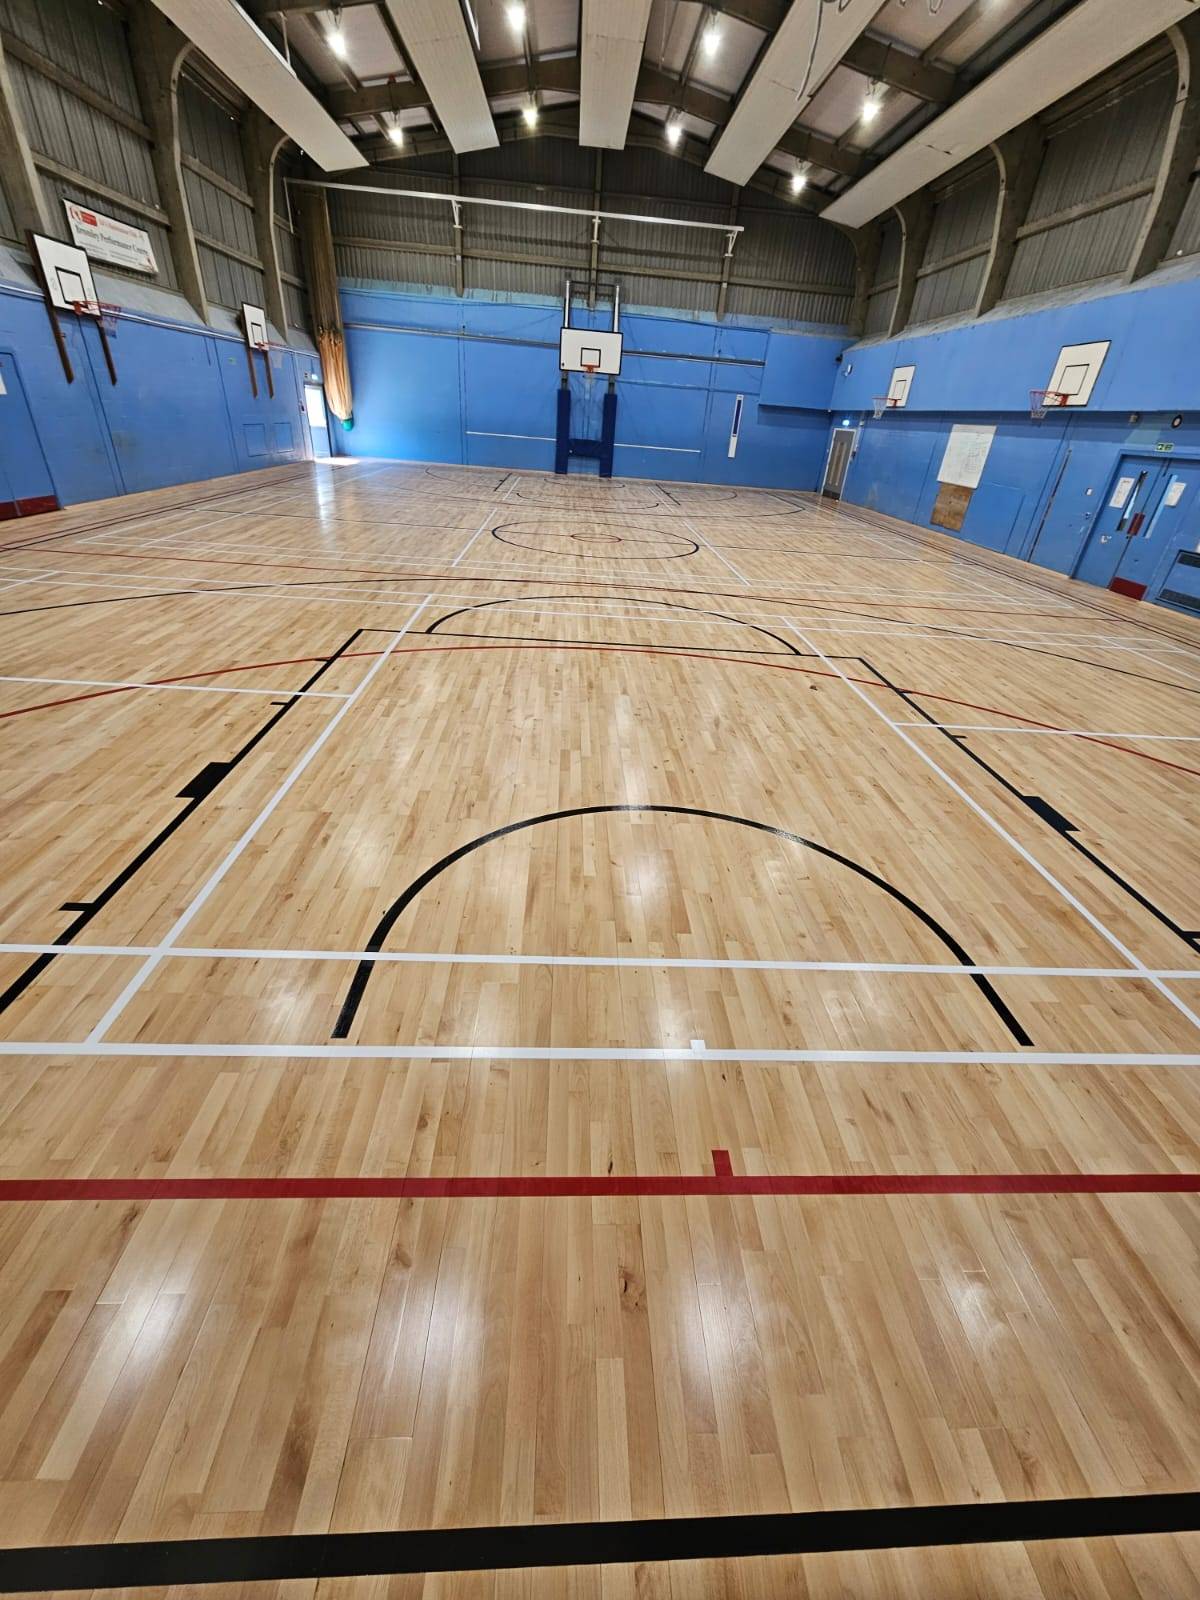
(600, 449)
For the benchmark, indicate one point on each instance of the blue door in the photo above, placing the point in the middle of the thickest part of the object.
(1131, 501)
(1173, 538)
(25, 482)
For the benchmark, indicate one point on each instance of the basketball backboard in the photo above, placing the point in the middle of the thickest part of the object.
(254, 326)
(1076, 370)
(66, 271)
(901, 383)
(588, 349)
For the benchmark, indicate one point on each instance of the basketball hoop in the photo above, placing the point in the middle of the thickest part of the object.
(101, 311)
(1041, 400)
(885, 402)
(590, 368)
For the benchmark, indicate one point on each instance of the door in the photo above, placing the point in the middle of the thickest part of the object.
(318, 421)
(26, 486)
(840, 450)
(1131, 502)
(1168, 550)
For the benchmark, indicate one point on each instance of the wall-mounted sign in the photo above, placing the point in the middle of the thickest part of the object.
(966, 453)
(1164, 449)
(1121, 493)
(106, 239)
(1174, 492)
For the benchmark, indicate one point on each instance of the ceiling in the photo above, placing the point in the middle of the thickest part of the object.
(818, 100)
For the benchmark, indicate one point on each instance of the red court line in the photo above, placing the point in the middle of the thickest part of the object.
(721, 1184)
(626, 649)
(591, 583)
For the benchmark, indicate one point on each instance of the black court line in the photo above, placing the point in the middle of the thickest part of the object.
(659, 536)
(666, 605)
(1050, 815)
(623, 644)
(278, 1557)
(365, 969)
(195, 792)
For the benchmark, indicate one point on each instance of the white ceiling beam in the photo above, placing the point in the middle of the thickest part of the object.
(783, 82)
(612, 38)
(234, 45)
(440, 48)
(1088, 40)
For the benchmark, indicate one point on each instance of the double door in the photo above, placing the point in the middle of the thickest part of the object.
(1152, 511)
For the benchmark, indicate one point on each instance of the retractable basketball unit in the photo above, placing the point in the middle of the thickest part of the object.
(590, 351)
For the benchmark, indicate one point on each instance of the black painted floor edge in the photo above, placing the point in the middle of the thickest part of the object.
(348, 1555)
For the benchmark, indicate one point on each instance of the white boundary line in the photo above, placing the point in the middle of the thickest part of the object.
(206, 890)
(712, 550)
(15, 583)
(189, 688)
(490, 514)
(582, 1053)
(451, 958)
(1002, 832)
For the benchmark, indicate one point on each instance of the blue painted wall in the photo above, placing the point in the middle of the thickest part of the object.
(441, 379)
(1045, 484)
(181, 411)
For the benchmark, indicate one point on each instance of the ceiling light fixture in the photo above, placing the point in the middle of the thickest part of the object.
(530, 113)
(710, 40)
(396, 132)
(516, 16)
(873, 104)
(335, 38)
(674, 131)
(800, 179)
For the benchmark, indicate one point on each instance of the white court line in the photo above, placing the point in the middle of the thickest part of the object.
(490, 514)
(187, 688)
(207, 889)
(1002, 832)
(452, 958)
(15, 583)
(712, 550)
(514, 1053)
(1071, 733)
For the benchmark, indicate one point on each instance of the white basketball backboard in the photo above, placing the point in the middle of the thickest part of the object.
(582, 348)
(901, 383)
(1076, 370)
(254, 325)
(66, 271)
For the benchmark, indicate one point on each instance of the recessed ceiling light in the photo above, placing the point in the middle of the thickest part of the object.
(710, 40)
(516, 16)
(530, 113)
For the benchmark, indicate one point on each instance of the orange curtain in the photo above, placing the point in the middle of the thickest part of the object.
(323, 300)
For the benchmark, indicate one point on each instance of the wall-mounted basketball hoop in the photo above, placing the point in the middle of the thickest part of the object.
(258, 338)
(1043, 400)
(65, 274)
(885, 402)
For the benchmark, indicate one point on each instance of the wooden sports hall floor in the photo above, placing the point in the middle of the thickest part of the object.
(744, 950)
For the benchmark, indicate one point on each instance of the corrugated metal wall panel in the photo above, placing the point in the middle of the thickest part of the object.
(364, 267)
(637, 171)
(74, 134)
(555, 162)
(511, 277)
(525, 232)
(81, 37)
(793, 248)
(210, 133)
(672, 293)
(889, 251)
(218, 214)
(949, 292)
(1078, 252)
(296, 302)
(287, 246)
(60, 189)
(8, 228)
(375, 216)
(963, 217)
(1115, 145)
(786, 305)
(1187, 235)
(879, 312)
(228, 282)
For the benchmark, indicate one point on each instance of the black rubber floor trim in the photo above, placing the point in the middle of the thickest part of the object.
(570, 1544)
